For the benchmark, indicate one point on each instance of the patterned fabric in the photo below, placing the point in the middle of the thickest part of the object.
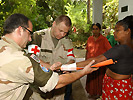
(117, 89)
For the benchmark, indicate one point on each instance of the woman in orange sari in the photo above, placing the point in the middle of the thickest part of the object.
(97, 44)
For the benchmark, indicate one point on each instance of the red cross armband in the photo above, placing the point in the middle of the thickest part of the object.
(34, 49)
(70, 55)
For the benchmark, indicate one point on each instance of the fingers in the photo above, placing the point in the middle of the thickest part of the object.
(88, 68)
(58, 63)
(91, 62)
(66, 72)
(95, 68)
(55, 66)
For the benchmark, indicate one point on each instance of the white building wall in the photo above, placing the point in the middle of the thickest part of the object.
(123, 3)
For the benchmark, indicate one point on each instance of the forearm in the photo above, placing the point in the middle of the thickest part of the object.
(65, 79)
(71, 61)
(97, 60)
(83, 63)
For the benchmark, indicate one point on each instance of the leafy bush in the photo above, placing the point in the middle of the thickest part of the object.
(78, 14)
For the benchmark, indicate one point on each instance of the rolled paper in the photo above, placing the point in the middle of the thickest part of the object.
(68, 67)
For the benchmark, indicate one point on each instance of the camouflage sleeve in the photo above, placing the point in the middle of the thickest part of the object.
(37, 39)
(43, 77)
(67, 43)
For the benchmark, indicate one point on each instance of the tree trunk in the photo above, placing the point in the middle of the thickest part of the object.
(88, 11)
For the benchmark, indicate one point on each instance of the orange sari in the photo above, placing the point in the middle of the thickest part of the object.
(94, 49)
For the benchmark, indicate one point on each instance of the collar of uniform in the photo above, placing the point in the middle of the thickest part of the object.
(11, 42)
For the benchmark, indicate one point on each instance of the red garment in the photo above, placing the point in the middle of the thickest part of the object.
(117, 89)
(74, 30)
(96, 48)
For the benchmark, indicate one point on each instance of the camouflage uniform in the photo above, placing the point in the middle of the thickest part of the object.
(50, 53)
(18, 70)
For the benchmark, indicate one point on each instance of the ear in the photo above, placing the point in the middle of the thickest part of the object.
(19, 31)
(54, 23)
(128, 31)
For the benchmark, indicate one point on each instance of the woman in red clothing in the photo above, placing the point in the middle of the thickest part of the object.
(96, 45)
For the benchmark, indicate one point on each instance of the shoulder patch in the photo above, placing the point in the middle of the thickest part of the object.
(44, 68)
(35, 58)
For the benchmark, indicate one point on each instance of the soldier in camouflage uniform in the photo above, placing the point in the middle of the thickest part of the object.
(54, 43)
(57, 47)
(18, 70)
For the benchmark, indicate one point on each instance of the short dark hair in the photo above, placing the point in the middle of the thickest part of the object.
(14, 21)
(97, 24)
(127, 22)
(63, 18)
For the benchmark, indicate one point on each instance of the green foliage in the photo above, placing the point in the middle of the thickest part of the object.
(78, 14)
(26, 7)
(110, 13)
(43, 12)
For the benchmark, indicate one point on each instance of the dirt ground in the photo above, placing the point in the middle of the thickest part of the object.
(79, 53)
(80, 56)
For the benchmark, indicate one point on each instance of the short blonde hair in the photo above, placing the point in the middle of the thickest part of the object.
(63, 18)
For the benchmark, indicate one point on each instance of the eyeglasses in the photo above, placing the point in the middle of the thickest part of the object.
(31, 33)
